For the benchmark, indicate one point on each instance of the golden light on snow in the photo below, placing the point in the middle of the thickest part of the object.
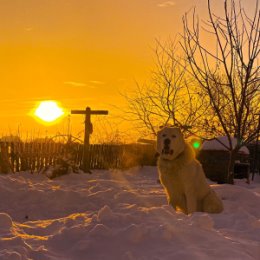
(48, 111)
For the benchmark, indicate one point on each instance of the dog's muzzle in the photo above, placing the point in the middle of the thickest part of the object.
(167, 151)
(166, 148)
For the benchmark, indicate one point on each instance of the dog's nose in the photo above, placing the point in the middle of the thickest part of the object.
(167, 141)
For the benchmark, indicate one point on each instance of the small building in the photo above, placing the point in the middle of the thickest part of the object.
(214, 157)
(254, 149)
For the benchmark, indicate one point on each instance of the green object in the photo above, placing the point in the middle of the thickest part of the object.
(196, 144)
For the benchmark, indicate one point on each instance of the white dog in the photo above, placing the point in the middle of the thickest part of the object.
(182, 175)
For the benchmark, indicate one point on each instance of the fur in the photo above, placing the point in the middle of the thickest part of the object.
(182, 176)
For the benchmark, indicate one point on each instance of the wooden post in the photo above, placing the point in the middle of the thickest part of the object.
(88, 131)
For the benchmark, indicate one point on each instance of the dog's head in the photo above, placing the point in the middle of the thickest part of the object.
(170, 143)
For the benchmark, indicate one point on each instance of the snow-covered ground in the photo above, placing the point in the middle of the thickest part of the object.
(121, 215)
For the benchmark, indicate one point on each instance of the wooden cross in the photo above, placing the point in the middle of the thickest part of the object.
(88, 131)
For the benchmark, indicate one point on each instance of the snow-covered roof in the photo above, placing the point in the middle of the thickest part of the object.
(217, 144)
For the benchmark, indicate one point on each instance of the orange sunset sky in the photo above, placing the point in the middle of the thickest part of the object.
(80, 53)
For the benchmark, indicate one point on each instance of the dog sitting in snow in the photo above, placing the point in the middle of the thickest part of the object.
(182, 175)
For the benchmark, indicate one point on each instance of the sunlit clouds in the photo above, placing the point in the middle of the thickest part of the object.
(75, 84)
(96, 82)
(167, 4)
(90, 83)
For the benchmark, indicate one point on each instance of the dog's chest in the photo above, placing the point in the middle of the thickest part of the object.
(171, 175)
(169, 169)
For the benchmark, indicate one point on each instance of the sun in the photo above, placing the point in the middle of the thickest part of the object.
(48, 111)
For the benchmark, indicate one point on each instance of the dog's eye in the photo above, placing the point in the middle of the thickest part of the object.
(163, 135)
(173, 136)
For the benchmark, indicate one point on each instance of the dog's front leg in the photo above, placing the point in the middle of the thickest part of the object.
(191, 203)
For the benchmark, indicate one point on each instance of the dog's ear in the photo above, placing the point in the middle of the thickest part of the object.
(180, 132)
(177, 129)
(160, 129)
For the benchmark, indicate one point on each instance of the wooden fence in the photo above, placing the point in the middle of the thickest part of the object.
(34, 156)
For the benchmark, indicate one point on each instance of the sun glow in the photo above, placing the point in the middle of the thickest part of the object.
(48, 111)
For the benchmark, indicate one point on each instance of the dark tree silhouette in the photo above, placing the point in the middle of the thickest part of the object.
(170, 98)
(229, 73)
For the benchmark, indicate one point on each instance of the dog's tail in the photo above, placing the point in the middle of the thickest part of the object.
(212, 203)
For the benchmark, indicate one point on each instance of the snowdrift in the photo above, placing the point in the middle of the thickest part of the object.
(121, 215)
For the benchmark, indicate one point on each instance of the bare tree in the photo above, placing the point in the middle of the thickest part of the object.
(228, 73)
(170, 98)
(107, 132)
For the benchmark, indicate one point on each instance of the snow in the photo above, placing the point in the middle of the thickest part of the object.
(113, 214)
(221, 143)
